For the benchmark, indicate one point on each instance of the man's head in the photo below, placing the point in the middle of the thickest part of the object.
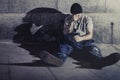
(76, 8)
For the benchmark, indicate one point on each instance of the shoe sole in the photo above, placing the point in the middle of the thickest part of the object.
(50, 59)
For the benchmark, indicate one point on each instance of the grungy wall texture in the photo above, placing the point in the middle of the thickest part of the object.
(104, 13)
(7, 24)
(22, 6)
(106, 27)
(89, 6)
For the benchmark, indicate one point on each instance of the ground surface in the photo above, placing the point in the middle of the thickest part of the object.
(17, 64)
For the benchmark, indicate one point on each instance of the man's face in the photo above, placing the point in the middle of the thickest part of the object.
(76, 16)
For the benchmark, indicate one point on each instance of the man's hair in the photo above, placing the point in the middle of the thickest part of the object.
(76, 8)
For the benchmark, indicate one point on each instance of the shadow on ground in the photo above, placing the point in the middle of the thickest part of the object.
(35, 63)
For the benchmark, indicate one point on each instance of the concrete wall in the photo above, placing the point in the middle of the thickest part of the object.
(103, 31)
(22, 6)
(8, 21)
(89, 6)
(103, 13)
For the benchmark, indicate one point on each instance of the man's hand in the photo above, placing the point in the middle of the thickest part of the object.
(35, 28)
(77, 38)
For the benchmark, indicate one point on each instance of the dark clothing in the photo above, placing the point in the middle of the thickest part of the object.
(85, 49)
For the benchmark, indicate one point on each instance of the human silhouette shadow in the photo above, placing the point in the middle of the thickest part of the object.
(35, 63)
(51, 19)
(46, 38)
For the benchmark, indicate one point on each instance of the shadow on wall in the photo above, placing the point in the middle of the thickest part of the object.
(41, 30)
(51, 21)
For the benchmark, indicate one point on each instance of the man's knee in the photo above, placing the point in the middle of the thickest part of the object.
(94, 50)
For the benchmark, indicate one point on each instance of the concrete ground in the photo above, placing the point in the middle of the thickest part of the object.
(17, 64)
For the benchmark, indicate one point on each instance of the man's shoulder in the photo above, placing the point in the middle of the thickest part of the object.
(68, 17)
(85, 16)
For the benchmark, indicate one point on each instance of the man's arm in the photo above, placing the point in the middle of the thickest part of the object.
(35, 28)
(89, 35)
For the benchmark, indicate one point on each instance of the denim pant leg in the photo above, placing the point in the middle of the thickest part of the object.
(92, 53)
(65, 50)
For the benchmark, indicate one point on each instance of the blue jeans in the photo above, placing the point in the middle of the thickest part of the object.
(65, 50)
(86, 48)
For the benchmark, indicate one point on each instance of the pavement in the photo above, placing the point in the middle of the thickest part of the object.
(16, 63)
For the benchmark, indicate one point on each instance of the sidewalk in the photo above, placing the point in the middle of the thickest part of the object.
(17, 64)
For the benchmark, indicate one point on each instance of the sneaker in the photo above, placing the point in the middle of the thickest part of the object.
(50, 59)
(111, 59)
(106, 61)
